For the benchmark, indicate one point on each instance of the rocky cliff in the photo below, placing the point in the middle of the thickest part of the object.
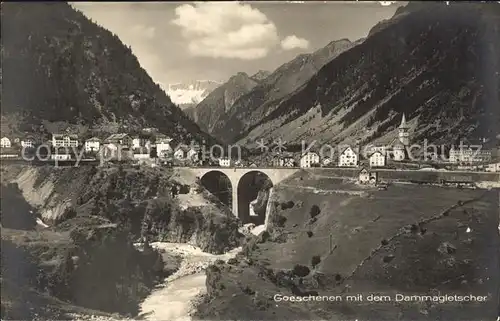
(139, 198)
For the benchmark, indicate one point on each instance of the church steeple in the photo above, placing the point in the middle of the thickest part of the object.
(404, 135)
(403, 122)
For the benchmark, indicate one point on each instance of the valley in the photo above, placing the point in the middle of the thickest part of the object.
(124, 221)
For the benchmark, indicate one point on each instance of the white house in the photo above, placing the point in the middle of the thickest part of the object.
(326, 161)
(469, 155)
(92, 145)
(142, 155)
(283, 161)
(377, 159)
(224, 162)
(142, 141)
(367, 177)
(109, 150)
(28, 143)
(398, 152)
(64, 140)
(309, 159)
(5, 142)
(180, 154)
(121, 139)
(348, 158)
(495, 167)
(192, 154)
(60, 157)
(163, 147)
(364, 176)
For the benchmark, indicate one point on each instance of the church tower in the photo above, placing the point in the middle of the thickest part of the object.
(404, 135)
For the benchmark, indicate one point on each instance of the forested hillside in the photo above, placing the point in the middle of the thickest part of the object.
(59, 66)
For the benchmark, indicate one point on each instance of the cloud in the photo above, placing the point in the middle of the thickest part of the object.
(142, 30)
(292, 42)
(226, 30)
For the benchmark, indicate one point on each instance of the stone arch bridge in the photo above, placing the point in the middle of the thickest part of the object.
(275, 175)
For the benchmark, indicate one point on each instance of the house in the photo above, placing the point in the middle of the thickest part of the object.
(348, 158)
(141, 141)
(141, 154)
(309, 159)
(5, 142)
(283, 161)
(192, 154)
(398, 152)
(121, 139)
(252, 165)
(431, 156)
(326, 161)
(64, 140)
(367, 177)
(287, 161)
(377, 159)
(28, 142)
(495, 167)
(163, 147)
(180, 153)
(364, 176)
(111, 151)
(370, 149)
(224, 162)
(469, 155)
(60, 157)
(92, 145)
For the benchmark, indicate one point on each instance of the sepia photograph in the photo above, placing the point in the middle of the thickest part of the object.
(250, 160)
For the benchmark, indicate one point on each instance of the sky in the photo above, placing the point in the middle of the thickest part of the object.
(186, 41)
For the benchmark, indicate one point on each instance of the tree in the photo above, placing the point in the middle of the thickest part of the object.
(315, 210)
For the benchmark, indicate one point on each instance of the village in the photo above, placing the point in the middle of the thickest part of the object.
(153, 148)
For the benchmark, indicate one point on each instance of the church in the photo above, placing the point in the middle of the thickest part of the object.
(396, 149)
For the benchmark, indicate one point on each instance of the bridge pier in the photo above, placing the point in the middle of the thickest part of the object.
(234, 193)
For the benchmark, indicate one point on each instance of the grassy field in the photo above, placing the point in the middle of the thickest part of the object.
(407, 239)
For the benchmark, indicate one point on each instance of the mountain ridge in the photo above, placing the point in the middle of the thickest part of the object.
(62, 67)
(362, 93)
(279, 83)
(221, 100)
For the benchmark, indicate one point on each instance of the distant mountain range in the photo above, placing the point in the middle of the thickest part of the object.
(189, 94)
(439, 64)
(244, 98)
(62, 68)
(219, 102)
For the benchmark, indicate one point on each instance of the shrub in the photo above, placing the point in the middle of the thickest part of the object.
(309, 233)
(300, 270)
(287, 205)
(314, 211)
(315, 261)
(279, 220)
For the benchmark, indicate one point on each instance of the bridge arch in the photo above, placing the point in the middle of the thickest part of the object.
(235, 174)
(220, 185)
(252, 191)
